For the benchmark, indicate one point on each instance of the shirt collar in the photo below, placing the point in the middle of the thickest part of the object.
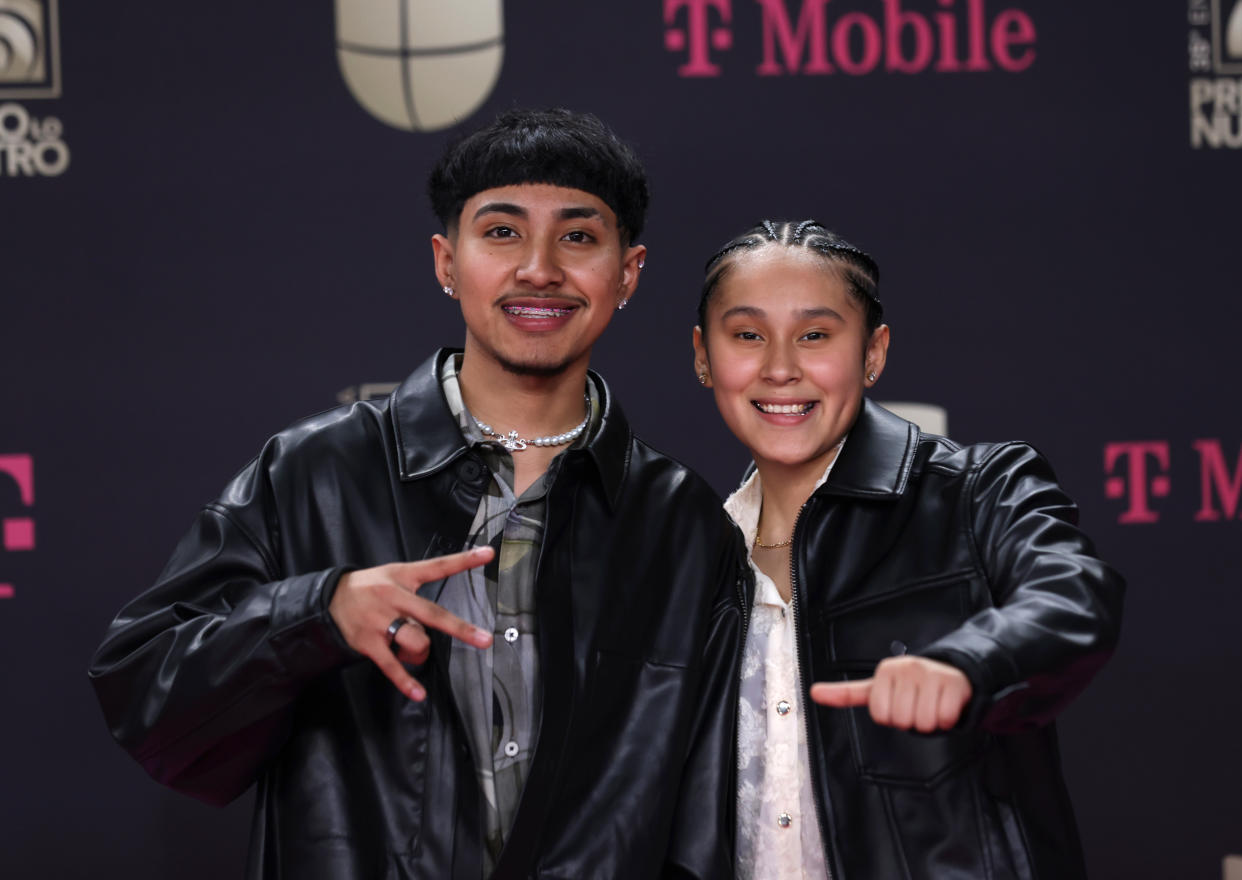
(428, 438)
(745, 504)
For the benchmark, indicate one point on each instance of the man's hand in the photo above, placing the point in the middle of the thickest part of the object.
(905, 692)
(368, 601)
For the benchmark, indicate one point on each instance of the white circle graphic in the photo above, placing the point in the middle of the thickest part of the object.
(420, 65)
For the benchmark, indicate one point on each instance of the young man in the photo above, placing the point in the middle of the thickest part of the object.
(549, 689)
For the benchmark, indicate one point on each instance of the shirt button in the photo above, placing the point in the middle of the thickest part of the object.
(511, 634)
(511, 749)
(784, 820)
(783, 707)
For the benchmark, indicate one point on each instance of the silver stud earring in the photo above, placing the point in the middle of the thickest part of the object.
(703, 377)
(642, 263)
(448, 290)
(871, 376)
(622, 304)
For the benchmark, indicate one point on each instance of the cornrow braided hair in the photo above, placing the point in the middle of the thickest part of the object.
(859, 270)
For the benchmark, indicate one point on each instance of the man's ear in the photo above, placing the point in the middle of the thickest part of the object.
(442, 253)
(631, 268)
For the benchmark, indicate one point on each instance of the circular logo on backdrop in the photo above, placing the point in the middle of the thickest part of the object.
(29, 61)
(420, 65)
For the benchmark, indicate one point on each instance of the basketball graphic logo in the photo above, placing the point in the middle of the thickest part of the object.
(29, 65)
(420, 65)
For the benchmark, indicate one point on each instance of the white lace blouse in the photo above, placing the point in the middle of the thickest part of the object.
(778, 835)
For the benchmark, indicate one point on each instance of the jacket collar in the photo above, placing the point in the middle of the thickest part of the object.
(428, 438)
(877, 459)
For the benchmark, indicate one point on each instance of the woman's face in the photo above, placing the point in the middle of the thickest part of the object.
(787, 355)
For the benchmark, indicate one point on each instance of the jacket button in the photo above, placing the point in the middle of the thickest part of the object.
(470, 470)
(784, 820)
(783, 708)
(897, 648)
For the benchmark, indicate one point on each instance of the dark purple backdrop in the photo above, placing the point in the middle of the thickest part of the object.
(235, 240)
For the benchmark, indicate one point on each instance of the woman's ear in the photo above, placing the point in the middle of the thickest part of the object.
(876, 355)
(702, 365)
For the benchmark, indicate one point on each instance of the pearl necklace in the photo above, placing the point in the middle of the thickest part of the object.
(514, 443)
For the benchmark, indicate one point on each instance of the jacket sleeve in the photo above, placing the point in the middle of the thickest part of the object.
(702, 841)
(1056, 607)
(197, 677)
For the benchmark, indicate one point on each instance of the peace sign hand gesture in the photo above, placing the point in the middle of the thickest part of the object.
(372, 606)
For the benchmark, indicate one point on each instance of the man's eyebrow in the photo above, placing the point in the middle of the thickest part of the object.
(500, 208)
(585, 212)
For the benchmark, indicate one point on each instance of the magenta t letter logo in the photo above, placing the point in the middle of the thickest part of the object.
(18, 532)
(1133, 484)
(698, 36)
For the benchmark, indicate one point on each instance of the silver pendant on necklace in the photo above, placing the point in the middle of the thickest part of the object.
(514, 443)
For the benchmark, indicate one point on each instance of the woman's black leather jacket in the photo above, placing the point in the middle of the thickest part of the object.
(968, 555)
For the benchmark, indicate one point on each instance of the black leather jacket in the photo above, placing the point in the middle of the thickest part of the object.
(970, 556)
(230, 671)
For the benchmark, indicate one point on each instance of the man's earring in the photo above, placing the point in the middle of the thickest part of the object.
(702, 377)
(448, 290)
(642, 263)
(622, 304)
(871, 376)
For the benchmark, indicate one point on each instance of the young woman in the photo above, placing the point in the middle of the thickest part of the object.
(941, 597)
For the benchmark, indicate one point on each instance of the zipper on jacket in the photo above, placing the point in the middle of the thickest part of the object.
(804, 691)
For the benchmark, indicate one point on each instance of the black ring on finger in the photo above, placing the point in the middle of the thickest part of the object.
(392, 633)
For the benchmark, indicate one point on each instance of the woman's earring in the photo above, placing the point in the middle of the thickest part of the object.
(448, 290)
(703, 377)
(871, 376)
(622, 304)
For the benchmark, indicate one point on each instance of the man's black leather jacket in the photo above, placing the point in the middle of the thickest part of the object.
(230, 670)
(971, 556)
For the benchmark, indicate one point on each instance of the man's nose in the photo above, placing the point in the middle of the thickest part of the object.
(539, 267)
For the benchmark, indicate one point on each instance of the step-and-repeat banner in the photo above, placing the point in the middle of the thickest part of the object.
(212, 221)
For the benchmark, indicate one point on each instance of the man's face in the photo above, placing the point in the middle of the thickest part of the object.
(539, 270)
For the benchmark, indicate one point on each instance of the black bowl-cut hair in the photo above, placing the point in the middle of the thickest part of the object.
(556, 146)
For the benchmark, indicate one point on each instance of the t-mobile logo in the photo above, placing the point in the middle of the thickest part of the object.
(18, 531)
(818, 38)
(1139, 473)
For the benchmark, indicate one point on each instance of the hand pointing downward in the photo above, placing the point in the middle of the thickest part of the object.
(906, 692)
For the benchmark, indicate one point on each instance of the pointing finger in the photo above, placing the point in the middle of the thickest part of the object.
(842, 694)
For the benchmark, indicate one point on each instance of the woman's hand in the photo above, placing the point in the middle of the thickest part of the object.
(906, 692)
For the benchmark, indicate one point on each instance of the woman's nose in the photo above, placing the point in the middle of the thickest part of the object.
(781, 364)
